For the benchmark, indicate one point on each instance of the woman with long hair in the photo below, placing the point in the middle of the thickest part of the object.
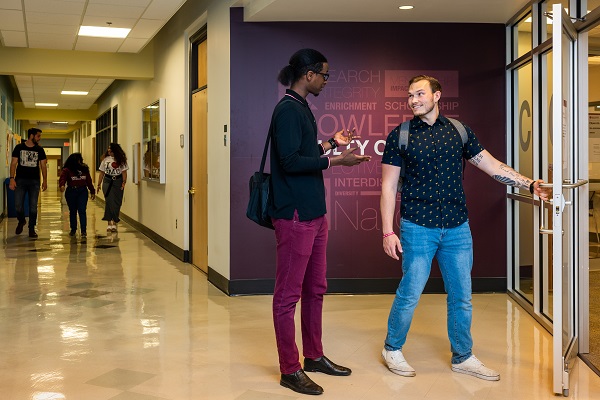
(112, 180)
(75, 175)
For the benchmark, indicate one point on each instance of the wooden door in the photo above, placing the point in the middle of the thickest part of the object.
(199, 173)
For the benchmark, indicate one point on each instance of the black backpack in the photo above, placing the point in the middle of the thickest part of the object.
(403, 143)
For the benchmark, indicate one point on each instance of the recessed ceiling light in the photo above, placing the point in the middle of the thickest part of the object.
(74, 92)
(46, 104)
(103, 31)
(406, 7)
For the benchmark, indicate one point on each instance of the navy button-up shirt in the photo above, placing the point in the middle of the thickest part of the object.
(432, 194)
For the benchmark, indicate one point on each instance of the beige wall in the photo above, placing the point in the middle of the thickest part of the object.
(157, 206)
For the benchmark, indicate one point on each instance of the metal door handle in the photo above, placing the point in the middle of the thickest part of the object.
(565, 185)
(192, 191)
(543, 230)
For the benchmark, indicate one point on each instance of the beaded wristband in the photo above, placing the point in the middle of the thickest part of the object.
(388, 234)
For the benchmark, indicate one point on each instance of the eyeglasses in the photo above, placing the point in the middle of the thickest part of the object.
(325, 76)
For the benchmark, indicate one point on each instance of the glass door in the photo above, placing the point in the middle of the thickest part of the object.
(564, 211)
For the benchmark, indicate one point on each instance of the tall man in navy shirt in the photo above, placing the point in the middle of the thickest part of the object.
(434, 223)
(298, 214)
(27, 160)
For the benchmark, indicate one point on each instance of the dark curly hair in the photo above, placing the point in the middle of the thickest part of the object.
(118, 153)
(75, 163)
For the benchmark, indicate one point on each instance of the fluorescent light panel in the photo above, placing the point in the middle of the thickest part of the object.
(74, 92)
(60, 122)
(103, 31)
(405, 7)
(46, 104)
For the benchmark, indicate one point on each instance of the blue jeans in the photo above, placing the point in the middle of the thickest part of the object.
(77, 198)
(453, 248)
(31, 187)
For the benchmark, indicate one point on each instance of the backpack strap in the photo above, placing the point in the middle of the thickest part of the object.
(403, 129)
(461, 130)
(463, 136)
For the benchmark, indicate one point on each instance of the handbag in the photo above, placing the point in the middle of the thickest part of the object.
(260, 193)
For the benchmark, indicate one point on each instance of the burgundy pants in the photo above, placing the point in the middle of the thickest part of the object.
(301, 275)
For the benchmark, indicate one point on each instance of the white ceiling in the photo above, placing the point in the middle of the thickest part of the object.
(54, 24)
(486, 11)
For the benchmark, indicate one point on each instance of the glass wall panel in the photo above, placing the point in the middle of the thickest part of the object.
(522, 38)
(524, 248)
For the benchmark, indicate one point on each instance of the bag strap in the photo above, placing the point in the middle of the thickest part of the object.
(403, 143)
(461, 130)
(264, 156)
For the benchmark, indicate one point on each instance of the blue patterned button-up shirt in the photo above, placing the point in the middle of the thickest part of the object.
(432, 194)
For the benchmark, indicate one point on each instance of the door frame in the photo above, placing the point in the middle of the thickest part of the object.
(541, 44)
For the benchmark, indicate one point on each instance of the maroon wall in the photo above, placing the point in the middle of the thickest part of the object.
(370, 64)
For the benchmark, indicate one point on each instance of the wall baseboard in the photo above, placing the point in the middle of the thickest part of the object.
(182, 255)
(348, 285)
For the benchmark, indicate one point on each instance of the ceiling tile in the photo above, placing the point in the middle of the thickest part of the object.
(14, 39)
(137, 3)
(97, 44)
(91, 20)
(55, 6)
(33, 17)
(55, 29)
(131, 45)
(11, 20)
(55, 41)
(24, 80)
(146, 28)
(109, 10)
(162, 9)
(84, 84)
(49, 80)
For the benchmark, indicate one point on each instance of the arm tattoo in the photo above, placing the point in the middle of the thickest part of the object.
(476, 160)
(509, 176)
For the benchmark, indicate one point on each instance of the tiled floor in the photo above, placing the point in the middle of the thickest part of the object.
(117, 317)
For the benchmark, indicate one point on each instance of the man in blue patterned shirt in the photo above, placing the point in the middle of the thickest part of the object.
(434, 223)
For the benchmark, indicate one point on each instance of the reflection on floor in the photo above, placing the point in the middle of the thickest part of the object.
(117, 317)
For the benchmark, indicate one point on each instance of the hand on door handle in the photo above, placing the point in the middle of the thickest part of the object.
(542, 190)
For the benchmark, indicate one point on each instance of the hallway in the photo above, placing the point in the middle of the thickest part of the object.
(117, 317)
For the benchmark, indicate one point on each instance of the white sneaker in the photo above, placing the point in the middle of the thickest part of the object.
(396, 363)
(472, 366)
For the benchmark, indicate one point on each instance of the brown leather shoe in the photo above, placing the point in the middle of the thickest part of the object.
(300, 382)
(326, 366)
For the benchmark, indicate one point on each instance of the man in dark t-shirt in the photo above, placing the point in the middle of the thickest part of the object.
(27, 158)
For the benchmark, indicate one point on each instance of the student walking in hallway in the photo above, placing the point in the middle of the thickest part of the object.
(75, 175)
(112, 180)
(28, 159)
